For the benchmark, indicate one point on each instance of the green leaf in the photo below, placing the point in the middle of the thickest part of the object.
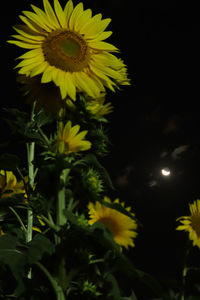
(39, 246)
(9, 162)
(15, 259)
(41, 118)
(115, 290)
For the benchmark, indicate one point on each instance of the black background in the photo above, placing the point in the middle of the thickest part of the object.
(159, 42)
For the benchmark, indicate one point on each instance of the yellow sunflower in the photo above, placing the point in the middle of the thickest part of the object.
(191, 224)
(122, 227)
(67, 46)
(98, 107)
(69, 140)
(9, 185)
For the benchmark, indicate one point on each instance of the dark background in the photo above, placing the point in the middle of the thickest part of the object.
(158, 113)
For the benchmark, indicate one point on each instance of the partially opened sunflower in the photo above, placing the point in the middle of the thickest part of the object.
(191, 223)
(121, 226)
(67, 46)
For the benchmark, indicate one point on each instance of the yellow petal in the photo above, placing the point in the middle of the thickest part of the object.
(93, 22)
(31, 25)
(83, 19)
(102, 46)
(36, 19)
(39, 69)
(74, 130)
(68, 10)
(71, 90)
(25, 39)
(66, 130)
(47, 75)
(50, 14)
(60, 13)
(24, 44)
(43, 17)
(78, 10)
(30, 35)
(93, 31)
(31, 54)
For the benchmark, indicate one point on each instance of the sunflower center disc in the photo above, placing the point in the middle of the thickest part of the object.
(111, 224)
(196, 224)
(66, 50)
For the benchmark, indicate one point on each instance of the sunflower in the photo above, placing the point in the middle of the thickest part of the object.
(121, 226)
(9, 185)
(69, 140)
(191, 224)
(67, 46)
(98, 108)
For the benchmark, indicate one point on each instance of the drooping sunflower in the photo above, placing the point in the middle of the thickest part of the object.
(121, 226)
(67, 46)
(9, 184)
(69, 140)
(191, 224)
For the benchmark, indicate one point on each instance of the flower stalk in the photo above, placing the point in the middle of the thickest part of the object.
(30, 159)
(57, 289)
(61, 201)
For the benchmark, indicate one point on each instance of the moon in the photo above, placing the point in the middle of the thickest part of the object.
(165, 172)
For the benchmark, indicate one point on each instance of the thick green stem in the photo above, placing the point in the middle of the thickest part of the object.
(57, 289)
(61, 204)
(30, 159)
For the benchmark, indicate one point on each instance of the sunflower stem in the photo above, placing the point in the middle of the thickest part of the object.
(57, 289)
(61, 204)
(30, 159)
(184, 271)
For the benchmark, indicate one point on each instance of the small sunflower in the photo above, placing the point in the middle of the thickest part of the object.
(67, 46)
(9, 184)
(122, 227)
(69, 140)
(191, 224)
(98, 108)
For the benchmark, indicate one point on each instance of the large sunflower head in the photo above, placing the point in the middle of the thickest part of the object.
(69, 140)
(191, 223)
(67, 46)
(121, 226)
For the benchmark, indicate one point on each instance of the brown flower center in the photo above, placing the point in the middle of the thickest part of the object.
(195, 223)
(111, 224)
(66, 50)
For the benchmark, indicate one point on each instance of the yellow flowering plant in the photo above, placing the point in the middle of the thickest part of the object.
(61, 237)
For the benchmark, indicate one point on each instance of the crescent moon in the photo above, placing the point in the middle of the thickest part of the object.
(165, 172)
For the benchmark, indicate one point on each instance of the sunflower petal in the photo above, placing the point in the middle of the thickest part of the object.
(50, 14)
(60, 14)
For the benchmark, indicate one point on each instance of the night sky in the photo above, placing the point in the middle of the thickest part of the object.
(155, 123)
